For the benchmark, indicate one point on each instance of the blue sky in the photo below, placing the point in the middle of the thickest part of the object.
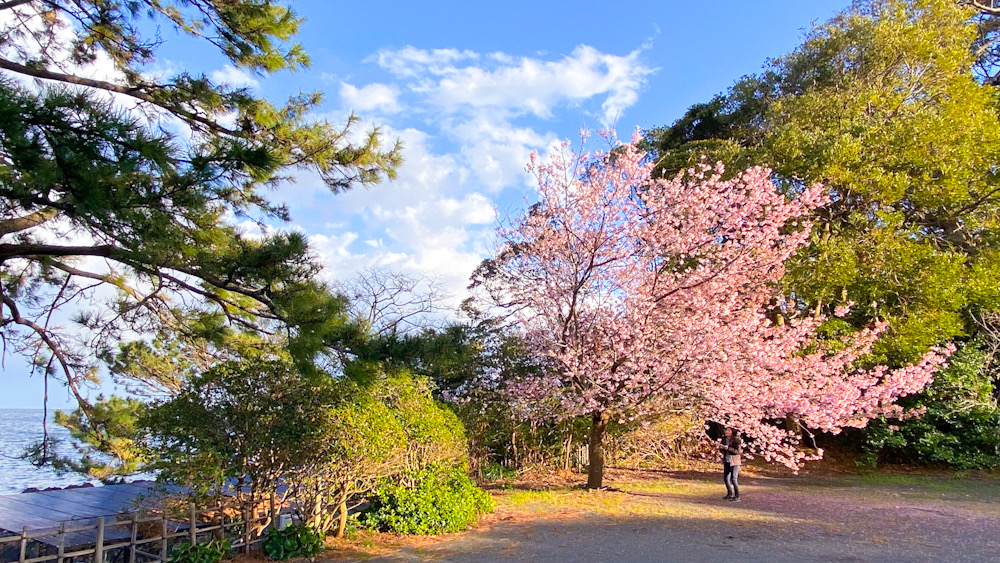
(471, 89)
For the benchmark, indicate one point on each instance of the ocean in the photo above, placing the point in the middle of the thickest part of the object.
(19, 428)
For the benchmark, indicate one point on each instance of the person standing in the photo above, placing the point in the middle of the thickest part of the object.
(732, 448)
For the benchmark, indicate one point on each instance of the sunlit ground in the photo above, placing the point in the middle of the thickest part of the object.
(680, 516)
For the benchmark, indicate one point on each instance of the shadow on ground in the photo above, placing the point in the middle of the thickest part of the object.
(679, 517)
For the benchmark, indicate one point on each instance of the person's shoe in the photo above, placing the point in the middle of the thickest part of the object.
(727, 497)
(734, 499)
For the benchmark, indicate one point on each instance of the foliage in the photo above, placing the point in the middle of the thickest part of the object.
(470, 364)
(650, 293)
(961, 425)
(297, 540)
(105, 440)
(882, 105)
(433, 500)
(449, 356)
(260, 422)
(386, 424)
(210, 552)
(105, 443)
(116, 182)
(465, 362)
(255, 422)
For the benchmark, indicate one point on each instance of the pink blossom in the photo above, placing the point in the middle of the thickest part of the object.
(843, 310)
(649, 294)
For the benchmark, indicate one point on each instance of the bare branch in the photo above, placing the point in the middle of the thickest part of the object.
(52, 345)
(31, 249)
(106, 278)
(989, 7)
(392, 302)
(13, 4)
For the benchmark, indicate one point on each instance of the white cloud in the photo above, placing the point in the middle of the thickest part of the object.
(333, 245)
(31, 20)
(370, 98)
(495, 150)
(233, 76)
(409, 62)
(428, 221)
(470, 124)
(455, 80)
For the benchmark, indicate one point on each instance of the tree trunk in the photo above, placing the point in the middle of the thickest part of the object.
(342, 523)
(595, 472)
(792, 424)
(513, 446)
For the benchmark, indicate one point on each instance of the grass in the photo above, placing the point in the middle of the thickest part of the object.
(945, 487)
(943, 483)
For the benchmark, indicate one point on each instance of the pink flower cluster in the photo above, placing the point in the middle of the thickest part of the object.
(650, 294)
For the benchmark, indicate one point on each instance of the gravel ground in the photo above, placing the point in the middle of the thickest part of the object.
(789, 519)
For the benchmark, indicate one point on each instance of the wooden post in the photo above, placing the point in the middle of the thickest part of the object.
(163, 536)
(24, 543)
(246, 529)
(273, 513)
(99, 546)
(193, 530)
(62, 542)
(134, 536)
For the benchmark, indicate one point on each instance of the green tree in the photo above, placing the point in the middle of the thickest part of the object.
(961, 423)
(885, 106)
(384, 424)
(97, 199)
(106, 440)
(258, 422)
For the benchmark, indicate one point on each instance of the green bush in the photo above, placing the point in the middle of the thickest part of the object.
(960, 426)
(294, 541)
(211, 552)
(961, 441)
(430, 501)
(493, 471)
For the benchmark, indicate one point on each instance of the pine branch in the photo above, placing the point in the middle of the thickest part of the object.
(133, 92)
(17, 224)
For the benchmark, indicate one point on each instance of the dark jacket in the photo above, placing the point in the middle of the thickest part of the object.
(732, 449)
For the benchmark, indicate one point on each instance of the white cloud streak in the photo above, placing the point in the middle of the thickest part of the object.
(233, 76)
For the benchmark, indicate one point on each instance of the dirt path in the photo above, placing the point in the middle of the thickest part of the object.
(665, 518)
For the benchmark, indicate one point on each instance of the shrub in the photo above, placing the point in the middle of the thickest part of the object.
(959, 427)
(211, 552)
(434, 500)
(386, 423)
(666, 441)
(293, 541)
(493, 471)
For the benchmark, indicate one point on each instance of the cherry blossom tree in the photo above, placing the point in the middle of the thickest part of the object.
(648, 294)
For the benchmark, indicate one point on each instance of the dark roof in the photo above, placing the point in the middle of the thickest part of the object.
(45, 510)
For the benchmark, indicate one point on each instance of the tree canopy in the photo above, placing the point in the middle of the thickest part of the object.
(646, 295)
(879, 105)
(892, 106)
(122, 189)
